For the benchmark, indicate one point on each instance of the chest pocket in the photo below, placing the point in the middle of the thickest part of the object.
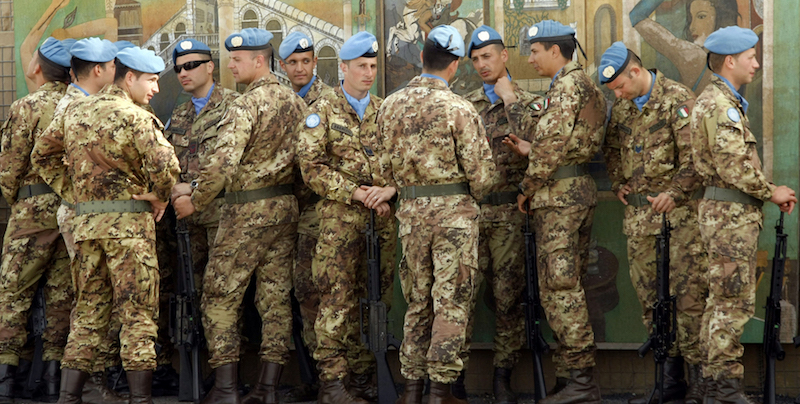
(178, 137)
(343, 143)
(659, 149)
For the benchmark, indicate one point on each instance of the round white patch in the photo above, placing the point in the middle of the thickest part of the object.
(236, 41)
(304, 43)
(733, 114)
(312, 121)
(186, 45)
(375, 46)
(609, 71)
(483, 36)
(533, 31)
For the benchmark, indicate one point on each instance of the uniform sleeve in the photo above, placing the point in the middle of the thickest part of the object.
(385, 171)
(159, 157)
(612, 153)
(474, 154)
(522, 118)
(47, 157)
(16, 142)
(685, 179)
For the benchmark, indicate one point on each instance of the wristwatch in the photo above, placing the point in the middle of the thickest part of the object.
(194, 184)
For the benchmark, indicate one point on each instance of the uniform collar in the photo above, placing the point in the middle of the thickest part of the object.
(200, 103)
(738, 96)
(642, 100)
(79, 88)
(359, 105)
(304, 91)
(433, 76)
(488, 89)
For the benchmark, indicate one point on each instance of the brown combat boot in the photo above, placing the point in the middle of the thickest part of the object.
(363, 386)
(674, 383)
(457, 388)
(225, 390)
(697, 387)
(729, 391)
(265, 391)
(581, 388)
(7, 374)
(502, 387)
(561, 382)
(302, 393)
(72, 381)
(412, 394)
(95, 391)
(140, 383)
(441, 394)
(334, 392)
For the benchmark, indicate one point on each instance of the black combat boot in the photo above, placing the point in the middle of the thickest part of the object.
(581, 388)
(72, 381)
(21, 379)
(729, 391)
(7, 382)
(166, 381)
(442, 394)
(48, 389)
(412, 394)
(225, 390)
(334, 392)
(266, 389)
(697, 387)
(95, 391)
(363, 386)
(140, 383)
(458, 389)
(711, 390)
(301, 393)
(674, 383)
(502, 387)
(116, 379)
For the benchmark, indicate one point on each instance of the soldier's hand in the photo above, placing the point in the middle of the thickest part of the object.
(522, 203)
(384, 210)
(158, 205)
(183, 206)
(180, 189)
(517, 145)
(662, 203)
(376, 195)
(785, 198)
(505, 90)
(623, 192)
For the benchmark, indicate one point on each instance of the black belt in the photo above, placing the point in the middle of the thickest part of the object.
(731, 195)
(500, 198)
(420, 191)
(576, 170)
(124, 206)
(258, 194)
(29, 191)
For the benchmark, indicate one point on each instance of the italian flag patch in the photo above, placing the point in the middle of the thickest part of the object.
(683, 111)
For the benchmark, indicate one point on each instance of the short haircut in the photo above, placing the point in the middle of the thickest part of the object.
(633, 62)
(434, 58)
(567, 47)
(716, 61)
(123, 70)
(52, 71)
(81, 68)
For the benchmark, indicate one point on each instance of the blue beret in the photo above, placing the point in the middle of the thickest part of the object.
(53, 50)
(188, 46)
(361, 44)
(295, 42)
(731, 40)
(145, 61)
(614, 61)
(248, 39)
(94, 50)
(67, 43)
(550, 31)
(483, 36)
(123, 45)
(448, 39)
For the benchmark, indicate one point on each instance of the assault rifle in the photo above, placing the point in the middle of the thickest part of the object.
(533, 309)
(307, 372)
(664, 312)
(772, 320)
(373, 323)
(185, 327)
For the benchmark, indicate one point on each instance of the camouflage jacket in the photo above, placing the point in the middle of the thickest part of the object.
(500, 120)
(336, 149)
(725, 151)
(650, 150)
(569, 132)
(430, 136)
(29, 117)
(305, 196)
(115, 149)
(255, 149)
(315, 91)
(195, 138)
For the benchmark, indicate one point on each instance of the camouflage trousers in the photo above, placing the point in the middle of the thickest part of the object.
(302, 277)
(108, 351)
(731, 297)
(438, 274)
(32, 248)
(562, 245)
(114, 273)
(687, 279)
(238, 253)
(340, 275)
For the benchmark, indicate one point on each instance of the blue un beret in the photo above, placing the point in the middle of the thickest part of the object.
(731, 40)
(188, 46)
(53, 50)
(142, 60)
(550, 31)
(67, 43)
(94, 50)
(248, 39)
(483, 36)
(614, 61)
(295, 42)
(448, 39)
(361, 44)
(124, 45)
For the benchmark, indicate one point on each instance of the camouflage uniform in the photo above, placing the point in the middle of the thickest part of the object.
(501, 242)
(725, 156)
(254, 153)
(439, 234)
(569, 133)
(111, 160)
(336, 157)
(32, 246)
(650, 151)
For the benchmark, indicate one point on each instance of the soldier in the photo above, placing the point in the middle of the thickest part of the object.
(725, 156)
(649, 158)
(336, 153)
(505, 109)
(435, 153)
(563, 195)
(297, 59)
(122, 169)
(32, 246)
(253, 162)
(92, 69)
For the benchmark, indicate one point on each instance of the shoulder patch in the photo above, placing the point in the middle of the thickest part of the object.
(546, 103)
(683, 111)
(312, 121)
(733, 114)
(536, 106)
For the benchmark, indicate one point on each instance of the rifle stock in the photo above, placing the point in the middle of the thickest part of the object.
(772, 320)
(533, 309)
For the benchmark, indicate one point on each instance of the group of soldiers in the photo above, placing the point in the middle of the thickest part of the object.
(276, 184)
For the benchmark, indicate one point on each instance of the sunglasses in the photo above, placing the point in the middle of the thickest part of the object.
(189, 65)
